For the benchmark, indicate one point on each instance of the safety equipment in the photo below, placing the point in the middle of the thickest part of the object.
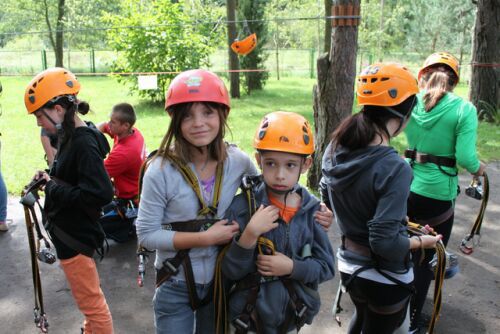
(47, 85)
(385, 85)
(245, 46)
(284, 132)
(473, 238)
(196, 86)
(440, 58)
(40, 249)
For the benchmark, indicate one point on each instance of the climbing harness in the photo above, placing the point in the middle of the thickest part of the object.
(439, 276)
(246, 45)
(30, 197)
(439, 272)
(439, 161)
(355, 247)
(479, 191)
(296, 309)
(170, 266)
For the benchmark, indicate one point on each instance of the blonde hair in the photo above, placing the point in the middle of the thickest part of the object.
(436, 84)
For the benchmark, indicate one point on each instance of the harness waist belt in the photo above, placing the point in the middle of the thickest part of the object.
(194, 225)
(356, 247)
(422, 158)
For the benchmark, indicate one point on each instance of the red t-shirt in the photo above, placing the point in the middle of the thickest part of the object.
(124, 162)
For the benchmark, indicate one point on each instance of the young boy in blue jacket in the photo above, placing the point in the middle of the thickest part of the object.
(282, 254)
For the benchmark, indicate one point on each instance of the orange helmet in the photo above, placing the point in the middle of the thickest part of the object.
(441, 58)
(385, 85)
(47, 85)
(284, 132)
(245, 46)
(196, 86)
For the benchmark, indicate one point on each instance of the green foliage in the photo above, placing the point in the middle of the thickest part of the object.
(488, 113)
(254, 12)
(165, 38)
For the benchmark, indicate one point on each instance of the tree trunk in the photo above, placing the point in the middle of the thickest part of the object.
(234, 63)
(328, 26)
(485, 78)
(59, 34)
(57, 42)
(334, 93)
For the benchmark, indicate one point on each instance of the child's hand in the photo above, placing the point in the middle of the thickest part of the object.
(263, 220)
(222, 232)
(430, 241)
(324, 216)
(274, 265)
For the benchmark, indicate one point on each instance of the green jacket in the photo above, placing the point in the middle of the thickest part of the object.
(448, 130)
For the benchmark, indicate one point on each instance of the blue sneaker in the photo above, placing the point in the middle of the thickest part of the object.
(452, 267)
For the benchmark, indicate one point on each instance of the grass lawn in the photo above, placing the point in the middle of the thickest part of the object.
(22, 153)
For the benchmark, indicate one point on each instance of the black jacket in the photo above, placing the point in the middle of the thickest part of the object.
(79, 188)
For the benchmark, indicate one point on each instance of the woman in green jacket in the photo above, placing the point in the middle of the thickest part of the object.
(441, 134)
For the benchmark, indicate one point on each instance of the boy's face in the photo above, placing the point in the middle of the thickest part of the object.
(281, 170)
(116, 126)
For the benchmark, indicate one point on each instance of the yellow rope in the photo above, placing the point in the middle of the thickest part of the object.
(416, 229)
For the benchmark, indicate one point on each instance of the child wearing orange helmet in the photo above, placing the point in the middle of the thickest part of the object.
(282, 254)
(368, 186)
(76, 188)
(187, 187)
(442, 134)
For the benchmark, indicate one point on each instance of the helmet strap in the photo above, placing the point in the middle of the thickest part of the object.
(58, 126)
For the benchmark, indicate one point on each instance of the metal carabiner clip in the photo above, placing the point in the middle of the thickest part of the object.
(469, 242)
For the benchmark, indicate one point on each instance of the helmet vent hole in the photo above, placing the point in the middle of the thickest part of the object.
(69, 83)
(393, 93)
(34, 85)
(40, 79)
(284, 139)
(306, 139)
(262, 134)
(366, 91)
(32, 99)
(31, 91)
(364, 80)
(373, 80)
(384, 79)
(265, 125)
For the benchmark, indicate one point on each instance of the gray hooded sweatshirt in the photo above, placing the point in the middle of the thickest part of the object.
(368, 190)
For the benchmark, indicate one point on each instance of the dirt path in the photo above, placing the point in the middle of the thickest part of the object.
(471, 300)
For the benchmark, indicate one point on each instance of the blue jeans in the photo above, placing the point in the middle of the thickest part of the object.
(173, 313)
(3, 199)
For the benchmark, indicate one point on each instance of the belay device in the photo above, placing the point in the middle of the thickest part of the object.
(479, 191)
(38, 252)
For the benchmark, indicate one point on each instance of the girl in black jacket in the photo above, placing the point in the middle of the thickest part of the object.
(76, 188)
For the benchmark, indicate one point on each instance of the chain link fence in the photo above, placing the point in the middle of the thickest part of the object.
(280, 62)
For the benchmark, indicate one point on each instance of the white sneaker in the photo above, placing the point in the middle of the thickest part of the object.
(4, 227)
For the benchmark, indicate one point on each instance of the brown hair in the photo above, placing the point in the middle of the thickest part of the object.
(436, 83)
(358, 130)
(125, 112)
(174, 143)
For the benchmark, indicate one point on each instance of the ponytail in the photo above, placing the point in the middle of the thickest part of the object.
(72, 106)
(359, 130)
(436, 84)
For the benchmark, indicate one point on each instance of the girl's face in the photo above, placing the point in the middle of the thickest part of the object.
(56, 114)
(200, 125)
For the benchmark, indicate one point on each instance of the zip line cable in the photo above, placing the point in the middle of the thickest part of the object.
(193, 23)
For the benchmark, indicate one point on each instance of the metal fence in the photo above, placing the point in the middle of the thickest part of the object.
(280, 62)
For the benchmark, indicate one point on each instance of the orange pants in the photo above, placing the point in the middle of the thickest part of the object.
(81, 273)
